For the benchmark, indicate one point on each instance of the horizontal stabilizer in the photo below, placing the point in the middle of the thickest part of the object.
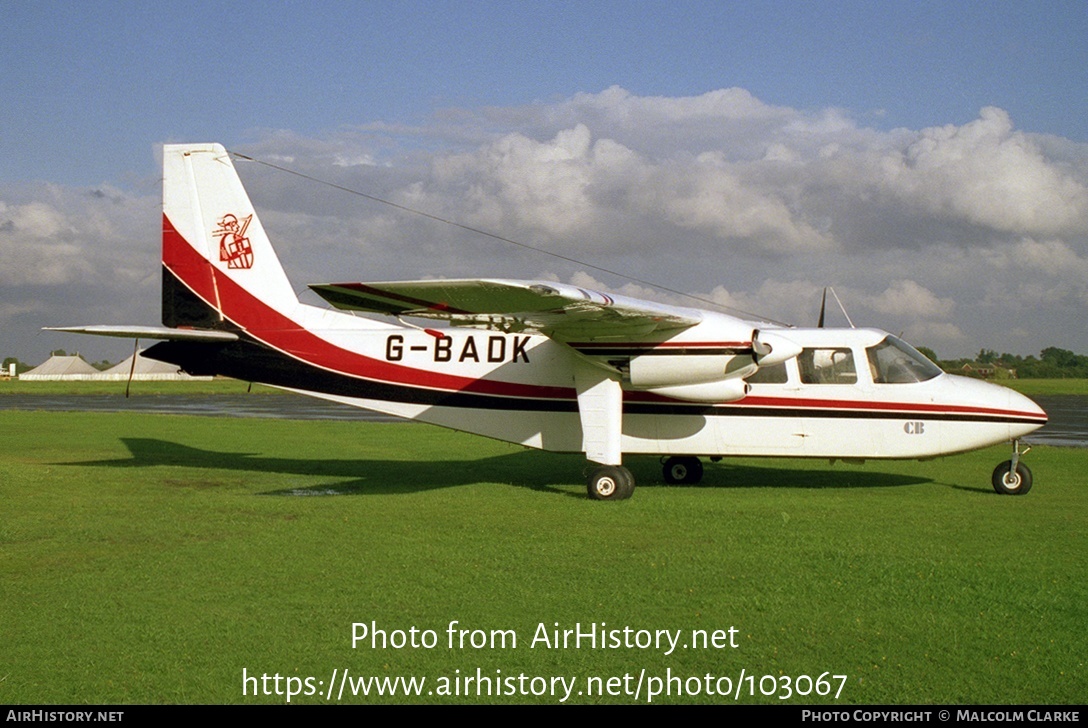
(149, 332)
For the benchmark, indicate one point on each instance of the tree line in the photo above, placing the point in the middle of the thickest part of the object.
(1052, 363)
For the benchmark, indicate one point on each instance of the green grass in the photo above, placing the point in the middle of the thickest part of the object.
(1047, 386)
(150, 559)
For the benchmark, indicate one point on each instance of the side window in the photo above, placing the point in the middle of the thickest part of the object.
(774, 374)
(827, 366)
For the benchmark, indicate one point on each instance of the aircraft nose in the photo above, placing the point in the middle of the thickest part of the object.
(1017, 414)
(1027, 404)
(1033, 416)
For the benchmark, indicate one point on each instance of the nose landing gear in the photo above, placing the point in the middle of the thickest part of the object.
(1012, 477)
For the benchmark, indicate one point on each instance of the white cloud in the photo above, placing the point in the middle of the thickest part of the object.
(954, 233)
(621, 107)
(38, 246)
(938, 335)
(947, 232)
(74, 255)
(908, 298)
(718, 198)
(34, 220)
(1054, 257)
(986, 174)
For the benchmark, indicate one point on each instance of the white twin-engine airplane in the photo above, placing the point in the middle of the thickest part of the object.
(553, 366)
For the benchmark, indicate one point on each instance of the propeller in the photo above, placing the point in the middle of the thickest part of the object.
(768, 349)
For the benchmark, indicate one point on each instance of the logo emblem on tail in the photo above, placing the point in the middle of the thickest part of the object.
(234, 247)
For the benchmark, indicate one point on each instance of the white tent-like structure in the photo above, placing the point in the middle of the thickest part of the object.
(74, 368)
(61, 367)
(146, 370)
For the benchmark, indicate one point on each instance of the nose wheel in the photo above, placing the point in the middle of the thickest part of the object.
(1012, 477)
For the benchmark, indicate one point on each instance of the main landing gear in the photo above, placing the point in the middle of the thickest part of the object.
(1012, 477)
(611, 482)
(615, 482)
(682, 470)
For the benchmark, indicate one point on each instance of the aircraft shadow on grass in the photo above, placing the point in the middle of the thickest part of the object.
(528, 469)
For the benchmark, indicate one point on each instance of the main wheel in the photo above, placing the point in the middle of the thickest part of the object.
(683, 470)
(611, 482)
(1007, 482)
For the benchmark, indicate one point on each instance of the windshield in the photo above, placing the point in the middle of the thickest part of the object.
(894, 361)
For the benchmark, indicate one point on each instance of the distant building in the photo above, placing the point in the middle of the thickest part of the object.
(987, 371)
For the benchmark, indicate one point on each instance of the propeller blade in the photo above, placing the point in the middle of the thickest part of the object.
(769, 349)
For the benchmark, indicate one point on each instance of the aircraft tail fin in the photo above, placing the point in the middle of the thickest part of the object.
(219, 268)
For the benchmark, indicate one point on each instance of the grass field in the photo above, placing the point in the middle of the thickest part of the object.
(152, 559)
(1047, 386)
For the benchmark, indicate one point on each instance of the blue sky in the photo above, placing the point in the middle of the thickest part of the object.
(118, 77)
(89, 90)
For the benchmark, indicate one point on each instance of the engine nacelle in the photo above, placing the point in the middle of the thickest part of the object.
(725, 390)
(651, 372)
(770, 349)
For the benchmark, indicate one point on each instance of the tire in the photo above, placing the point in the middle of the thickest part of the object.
(611, 482)
(682, 471)
(1007, 482)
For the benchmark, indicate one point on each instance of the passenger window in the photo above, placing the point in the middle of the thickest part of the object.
(827, 366)
(774, 374)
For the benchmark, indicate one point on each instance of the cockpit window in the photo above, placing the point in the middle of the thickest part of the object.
(827, 366)
(894, 361)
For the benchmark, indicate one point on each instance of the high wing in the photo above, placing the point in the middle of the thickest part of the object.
(562, 312)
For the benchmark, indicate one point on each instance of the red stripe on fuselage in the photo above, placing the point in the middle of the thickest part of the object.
(800, 406)
(277, 330)
(891, 407)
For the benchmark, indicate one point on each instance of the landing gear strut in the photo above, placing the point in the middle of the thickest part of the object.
(611, 482)
(1012, 477)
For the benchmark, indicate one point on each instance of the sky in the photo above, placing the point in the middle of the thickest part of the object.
(929, 160)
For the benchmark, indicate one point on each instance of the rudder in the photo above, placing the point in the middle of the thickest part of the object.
(219, 268)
